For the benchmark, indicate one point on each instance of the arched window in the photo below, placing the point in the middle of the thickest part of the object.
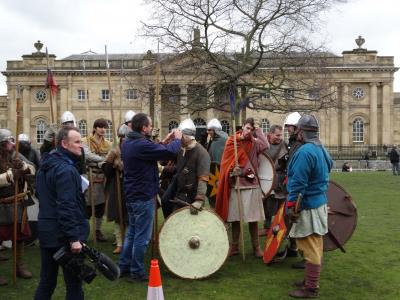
(265, 125)
(109, 134)
(358, 130)
(226, 126)
(199, 123)
(172, 125)
(82, 125)
(41, 126)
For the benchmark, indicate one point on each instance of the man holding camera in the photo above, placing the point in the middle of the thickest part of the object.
(62, 219)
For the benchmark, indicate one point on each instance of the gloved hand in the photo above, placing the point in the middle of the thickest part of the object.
(50, 133)
(196, 206)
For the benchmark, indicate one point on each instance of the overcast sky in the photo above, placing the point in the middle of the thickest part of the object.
(70, 27)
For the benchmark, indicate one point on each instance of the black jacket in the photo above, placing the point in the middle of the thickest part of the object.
(62, 216)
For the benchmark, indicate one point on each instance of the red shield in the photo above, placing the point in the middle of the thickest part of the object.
(276, 235)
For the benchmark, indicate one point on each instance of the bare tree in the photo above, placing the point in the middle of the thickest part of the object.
(278, 68)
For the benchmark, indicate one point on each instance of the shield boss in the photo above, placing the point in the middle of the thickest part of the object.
(193, 246)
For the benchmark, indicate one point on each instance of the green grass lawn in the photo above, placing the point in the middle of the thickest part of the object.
(369, 270)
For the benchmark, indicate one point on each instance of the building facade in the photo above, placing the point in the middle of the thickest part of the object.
(362, 81)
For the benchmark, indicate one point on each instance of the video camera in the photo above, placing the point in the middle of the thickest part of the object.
(76, 263)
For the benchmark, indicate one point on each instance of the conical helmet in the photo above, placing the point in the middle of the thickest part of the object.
(292, 119)
(187, 126)
(214, 124)
(68, 116)
(129, 115)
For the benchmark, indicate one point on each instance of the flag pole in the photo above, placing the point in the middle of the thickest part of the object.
(48, 86)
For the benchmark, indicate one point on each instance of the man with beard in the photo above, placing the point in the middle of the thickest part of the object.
(141, 185)
(193, 168)
(308, 173)
(12, 171)
(251, 142)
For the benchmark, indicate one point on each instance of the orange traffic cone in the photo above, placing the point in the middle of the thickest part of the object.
(155, 291)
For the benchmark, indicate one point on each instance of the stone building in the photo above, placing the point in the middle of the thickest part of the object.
(362, 81)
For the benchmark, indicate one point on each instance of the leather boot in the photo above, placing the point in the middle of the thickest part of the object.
(234, 247)
(311, 283)
(253, 228)
(22, 271)
(3, 281)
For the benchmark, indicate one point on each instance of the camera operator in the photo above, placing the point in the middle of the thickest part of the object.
(62, 219)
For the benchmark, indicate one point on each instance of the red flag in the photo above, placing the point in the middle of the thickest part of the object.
(51, 83)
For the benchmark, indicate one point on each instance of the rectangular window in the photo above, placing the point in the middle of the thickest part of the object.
(83, 95)
(288, 93)
(314, 94)
(266, 95)
(105, 95)
(131, 94)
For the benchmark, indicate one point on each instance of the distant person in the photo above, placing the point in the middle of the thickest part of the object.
(394, 160)
(347, 167)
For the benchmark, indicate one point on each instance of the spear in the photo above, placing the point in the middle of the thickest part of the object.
(15, 223)
(156, 121)
(90, 174)
(114, 133)
(237, 183)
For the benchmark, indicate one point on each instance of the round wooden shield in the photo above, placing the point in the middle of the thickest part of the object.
(275, 235)
(193, 246)
(266, 173)
(212, 184)
(342, 217)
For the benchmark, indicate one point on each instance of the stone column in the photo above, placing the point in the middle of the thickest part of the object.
(12, 108)
(386, 126)
(26, 108)
(345, 115)
(373, 112)
(63, 100)
(334, 117)
(183, 102)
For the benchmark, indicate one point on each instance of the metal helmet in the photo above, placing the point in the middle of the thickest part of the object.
(129, 115)
(22, 137)
(308, 123)
(214, 124)
(187, 126)
(292, 119)
(5, 135)
(67, 117)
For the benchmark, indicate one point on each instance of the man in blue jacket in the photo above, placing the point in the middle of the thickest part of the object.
(141, 184)
(308, 174)
(62, 220)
